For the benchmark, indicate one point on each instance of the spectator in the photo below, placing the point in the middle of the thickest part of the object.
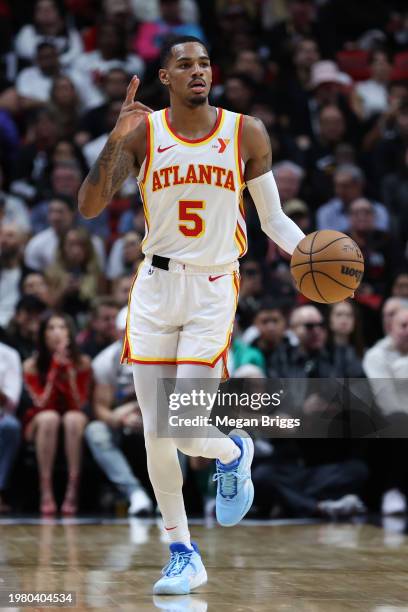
(271, 323)
(34, 83)
(11, 382)
(64, 179)
(57, 380)
(149, 12)
(22, 333)
(284, 35)
(101, 330)
(394, 189)
(345, 328)
(249, 62)
(125, 256)
(239, 93)
(35, 283)
(119, 423)
(133, 220)
(300, 213)
(296, 82)
(150, 36)
(32, 158)
(400, 285)
(311, 358)
(13, 209)
(41, 249)
(12, 270)
(75, 278)
(389, 310)
(65, 101)
(113, 87)
(348, 186)
(244, 361)
(48, 24)
(380, 251)
(121, 287)
(251, 291)
(321, 155)
(386, 365)
(373, 94)
(111, 52)
(289, 177)
(386, 153)
(287, 485)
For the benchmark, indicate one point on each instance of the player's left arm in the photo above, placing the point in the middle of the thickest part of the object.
(257, 155)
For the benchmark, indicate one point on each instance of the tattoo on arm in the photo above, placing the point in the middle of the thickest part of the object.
(111, 168)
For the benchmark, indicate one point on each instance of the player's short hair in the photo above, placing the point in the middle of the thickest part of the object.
(172, 41)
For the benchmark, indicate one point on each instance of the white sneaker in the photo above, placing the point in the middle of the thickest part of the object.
(140, 503)
(345, 506)
(183, 573)
(394, 502)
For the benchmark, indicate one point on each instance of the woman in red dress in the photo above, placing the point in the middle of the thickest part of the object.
(58, 381)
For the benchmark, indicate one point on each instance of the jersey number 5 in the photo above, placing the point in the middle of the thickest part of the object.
(196, 225)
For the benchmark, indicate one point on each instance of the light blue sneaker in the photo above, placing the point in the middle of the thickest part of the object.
(235, 490)
(183, 573)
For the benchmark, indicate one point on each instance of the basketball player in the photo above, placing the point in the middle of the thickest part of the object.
(192, 162)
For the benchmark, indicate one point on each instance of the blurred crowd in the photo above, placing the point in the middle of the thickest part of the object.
(329, 79)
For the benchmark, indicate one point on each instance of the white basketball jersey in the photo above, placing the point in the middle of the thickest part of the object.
(192, 192)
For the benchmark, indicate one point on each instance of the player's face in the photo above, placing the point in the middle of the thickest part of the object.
(188, 74)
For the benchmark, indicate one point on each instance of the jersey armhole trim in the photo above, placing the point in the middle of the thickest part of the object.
(238, 149)
(149, 149)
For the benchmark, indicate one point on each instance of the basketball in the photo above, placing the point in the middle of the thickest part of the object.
(327, 266)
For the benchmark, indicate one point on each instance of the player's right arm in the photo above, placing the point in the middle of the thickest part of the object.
(257, 154)
(122, 154)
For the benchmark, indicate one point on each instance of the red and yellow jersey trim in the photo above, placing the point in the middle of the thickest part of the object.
(240, 235)
(198, 141)
(238, 148)
(128, 357)
(146, 173)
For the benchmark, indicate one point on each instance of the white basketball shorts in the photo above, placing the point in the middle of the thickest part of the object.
(181, 315)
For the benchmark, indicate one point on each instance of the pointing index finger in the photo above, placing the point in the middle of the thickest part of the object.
(132, 89)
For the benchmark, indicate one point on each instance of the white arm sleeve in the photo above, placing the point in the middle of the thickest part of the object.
(278, 226)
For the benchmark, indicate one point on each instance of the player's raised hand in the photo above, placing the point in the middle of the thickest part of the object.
(132, 113)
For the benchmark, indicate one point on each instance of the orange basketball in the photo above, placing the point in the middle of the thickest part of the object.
(327, 266)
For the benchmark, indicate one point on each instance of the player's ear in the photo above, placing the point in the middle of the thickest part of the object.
(163, 76)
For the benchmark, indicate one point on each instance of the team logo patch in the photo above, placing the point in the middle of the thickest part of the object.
(222, 144)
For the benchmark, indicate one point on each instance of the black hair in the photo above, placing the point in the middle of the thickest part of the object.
(46, 44)
(269, 303)
(44, 355)
(378, 50)
(67, 200)
(31, 303)
(172, 41)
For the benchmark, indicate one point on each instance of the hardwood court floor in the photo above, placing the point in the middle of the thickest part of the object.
(290, 567)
